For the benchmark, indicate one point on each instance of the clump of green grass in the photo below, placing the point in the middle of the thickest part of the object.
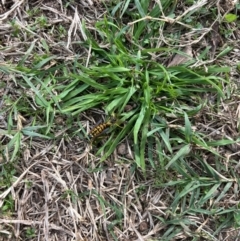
(117, 75)
(121, 76)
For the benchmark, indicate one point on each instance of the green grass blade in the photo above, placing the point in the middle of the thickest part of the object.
(185, 150)
(27, 54)
(188, 128)
(43, 62)
(14, 144)
(125, 7)
(140, 9)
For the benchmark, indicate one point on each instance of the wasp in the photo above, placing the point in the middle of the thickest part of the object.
(101, 129)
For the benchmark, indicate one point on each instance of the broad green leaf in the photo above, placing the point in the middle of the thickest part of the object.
(230, 17)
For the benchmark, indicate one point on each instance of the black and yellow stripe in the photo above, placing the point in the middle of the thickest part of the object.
(99, 129)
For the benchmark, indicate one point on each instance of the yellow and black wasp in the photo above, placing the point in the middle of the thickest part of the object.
(101, 128)
(106, 127)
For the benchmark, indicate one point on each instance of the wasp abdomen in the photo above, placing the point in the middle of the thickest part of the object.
(99, 129)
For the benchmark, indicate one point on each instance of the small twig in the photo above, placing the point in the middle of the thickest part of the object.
(16, 5)
(164, 19)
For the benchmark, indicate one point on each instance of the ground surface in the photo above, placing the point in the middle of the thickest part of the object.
(55, 189)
